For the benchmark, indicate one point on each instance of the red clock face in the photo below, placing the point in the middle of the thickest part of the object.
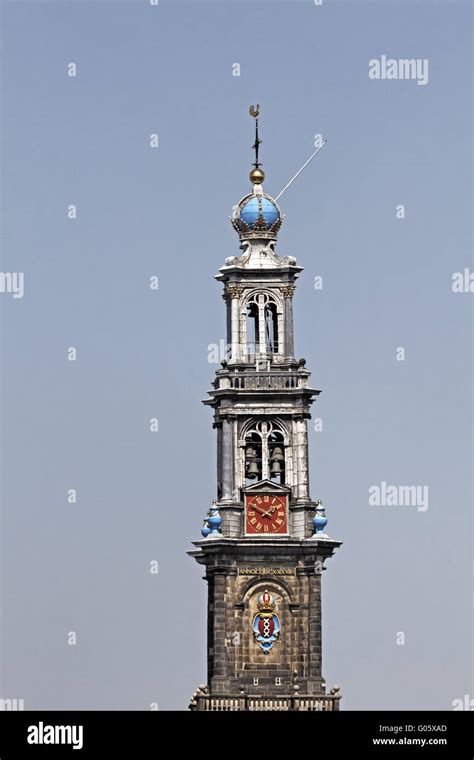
(266, 514)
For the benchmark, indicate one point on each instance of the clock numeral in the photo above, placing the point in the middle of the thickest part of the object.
(259, 526)
(253, 520)
(266, 499)
(258, 500)
(279, 521)
(265, 528)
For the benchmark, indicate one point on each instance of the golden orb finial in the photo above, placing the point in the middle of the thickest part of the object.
(257, 176)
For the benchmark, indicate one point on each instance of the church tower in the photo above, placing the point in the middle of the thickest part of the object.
(263, 547)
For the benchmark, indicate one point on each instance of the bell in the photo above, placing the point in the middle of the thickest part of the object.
(250, 453)
(276, 468)
(252, 470)
(277, 454)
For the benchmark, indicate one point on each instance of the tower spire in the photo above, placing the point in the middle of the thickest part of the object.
(256, 175)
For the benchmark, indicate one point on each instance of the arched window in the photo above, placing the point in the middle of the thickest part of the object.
(276, 457)
(253, 457)
(262, 324)
(264, 452)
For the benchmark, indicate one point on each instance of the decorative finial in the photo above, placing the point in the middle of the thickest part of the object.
(319, 520)
(257, 175)
(213, 522)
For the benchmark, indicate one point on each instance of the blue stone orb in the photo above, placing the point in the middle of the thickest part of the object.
(257, 208)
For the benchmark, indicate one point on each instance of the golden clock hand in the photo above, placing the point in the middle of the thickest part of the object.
(262, 511)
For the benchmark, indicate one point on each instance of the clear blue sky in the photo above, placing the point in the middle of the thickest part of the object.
(143, 354)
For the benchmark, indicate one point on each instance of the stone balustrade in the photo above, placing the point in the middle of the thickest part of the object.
(261, 381)
(323, 703)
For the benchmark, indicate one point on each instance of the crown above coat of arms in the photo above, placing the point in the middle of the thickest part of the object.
(266, 602)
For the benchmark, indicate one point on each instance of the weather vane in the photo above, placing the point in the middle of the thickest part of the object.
(257, 175)
(254, 111)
